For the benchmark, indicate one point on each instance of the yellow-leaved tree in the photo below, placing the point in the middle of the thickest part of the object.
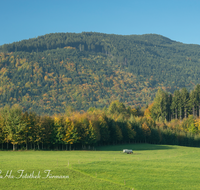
(146, 131)
(72, 135)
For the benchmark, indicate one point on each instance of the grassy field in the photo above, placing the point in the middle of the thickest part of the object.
(150, 167)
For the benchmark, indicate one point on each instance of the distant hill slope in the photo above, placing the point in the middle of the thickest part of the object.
(47, 73)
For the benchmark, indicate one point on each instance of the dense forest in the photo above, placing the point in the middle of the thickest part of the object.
(48, 73)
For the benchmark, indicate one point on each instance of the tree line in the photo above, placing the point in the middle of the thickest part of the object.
(73, 130)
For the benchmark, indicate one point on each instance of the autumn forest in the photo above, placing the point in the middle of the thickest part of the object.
(77, 91)
(48, 73)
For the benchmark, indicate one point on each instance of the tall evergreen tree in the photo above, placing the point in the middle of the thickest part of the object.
(160, 109)
(193, 101)
(197, 89)
(185, 101)
(176, 103)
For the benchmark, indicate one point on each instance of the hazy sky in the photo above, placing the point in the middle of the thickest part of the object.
(175, 19)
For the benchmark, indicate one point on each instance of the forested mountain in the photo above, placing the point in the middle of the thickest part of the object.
(46, 73)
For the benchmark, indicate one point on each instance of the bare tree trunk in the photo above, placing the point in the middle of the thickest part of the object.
(38, 146)
(34, 146)
(42, 146)
(31, 146)
(180, 114)
(69, 146)
(7, 145)
(2, 146)
(26, 145)
(176, 113)
(13, 147)
(66, 147)
(62, 146)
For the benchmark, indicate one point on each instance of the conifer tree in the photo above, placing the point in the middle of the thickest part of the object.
(185, 101)
(175, 106)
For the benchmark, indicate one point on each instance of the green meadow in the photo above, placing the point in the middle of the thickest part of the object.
(149, 167)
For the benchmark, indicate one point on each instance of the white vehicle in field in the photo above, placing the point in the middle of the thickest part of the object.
(128, 151)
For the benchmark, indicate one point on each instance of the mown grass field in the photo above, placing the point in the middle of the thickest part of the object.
(150, 167)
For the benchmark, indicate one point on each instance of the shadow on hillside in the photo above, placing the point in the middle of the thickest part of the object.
(134, 147)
